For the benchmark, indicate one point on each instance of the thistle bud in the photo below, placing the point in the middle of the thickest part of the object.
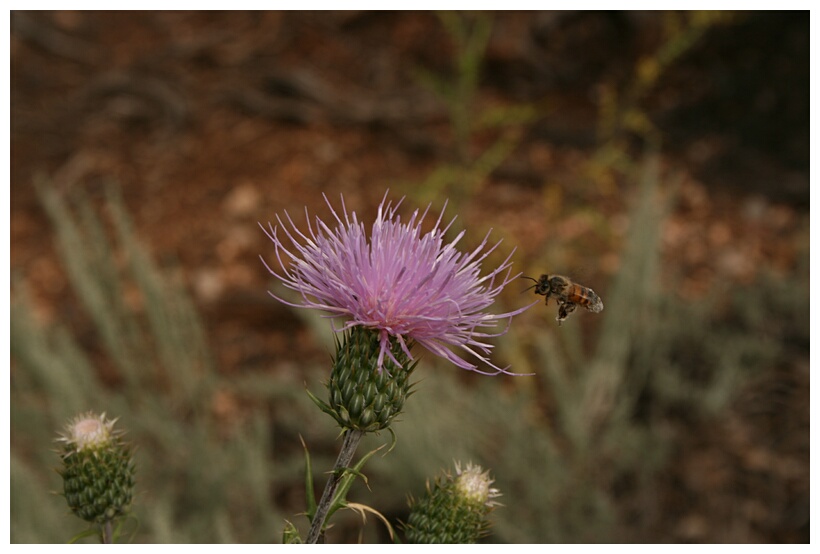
(367, 390)
(454, 510)
(98, 469)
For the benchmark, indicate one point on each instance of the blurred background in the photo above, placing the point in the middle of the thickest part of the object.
(660, 158)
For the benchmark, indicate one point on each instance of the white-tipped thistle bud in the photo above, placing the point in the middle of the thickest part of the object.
(98, 468)
(453, 510)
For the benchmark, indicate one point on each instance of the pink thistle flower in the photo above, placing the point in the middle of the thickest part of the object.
(406, 285)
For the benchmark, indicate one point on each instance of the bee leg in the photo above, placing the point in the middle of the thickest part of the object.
(564, 309)
(562, 313)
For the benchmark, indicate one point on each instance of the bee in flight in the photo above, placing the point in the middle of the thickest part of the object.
(567, 294)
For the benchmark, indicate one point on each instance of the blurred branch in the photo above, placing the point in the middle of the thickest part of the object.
(304, 97)
(139, 96)
(36, 30)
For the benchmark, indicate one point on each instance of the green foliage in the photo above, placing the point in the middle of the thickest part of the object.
(614, 401)
(37, 513)
(622, 110)
(290, 535)
(349, 475)
(346, 477)
(201, 479)
(165, 345)
(470, 34)
(603, 409)
(464, 175)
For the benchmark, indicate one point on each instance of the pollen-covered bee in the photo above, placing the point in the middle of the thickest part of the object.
(567, 294)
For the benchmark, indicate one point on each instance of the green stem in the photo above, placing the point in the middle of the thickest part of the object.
(107, 533)
(349, 444)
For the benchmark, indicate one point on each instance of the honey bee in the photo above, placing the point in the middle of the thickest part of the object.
(567, 294)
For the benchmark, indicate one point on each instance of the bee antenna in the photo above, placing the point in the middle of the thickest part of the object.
(528, 288)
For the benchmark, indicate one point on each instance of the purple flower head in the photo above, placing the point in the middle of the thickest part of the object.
(404, 284)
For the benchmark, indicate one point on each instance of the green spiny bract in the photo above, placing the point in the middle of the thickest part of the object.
(98, 470)
(453, 511)
(363, 397)
(290, 534)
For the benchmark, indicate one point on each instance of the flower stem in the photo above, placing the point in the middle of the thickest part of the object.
(349, 444)
(107, 532)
